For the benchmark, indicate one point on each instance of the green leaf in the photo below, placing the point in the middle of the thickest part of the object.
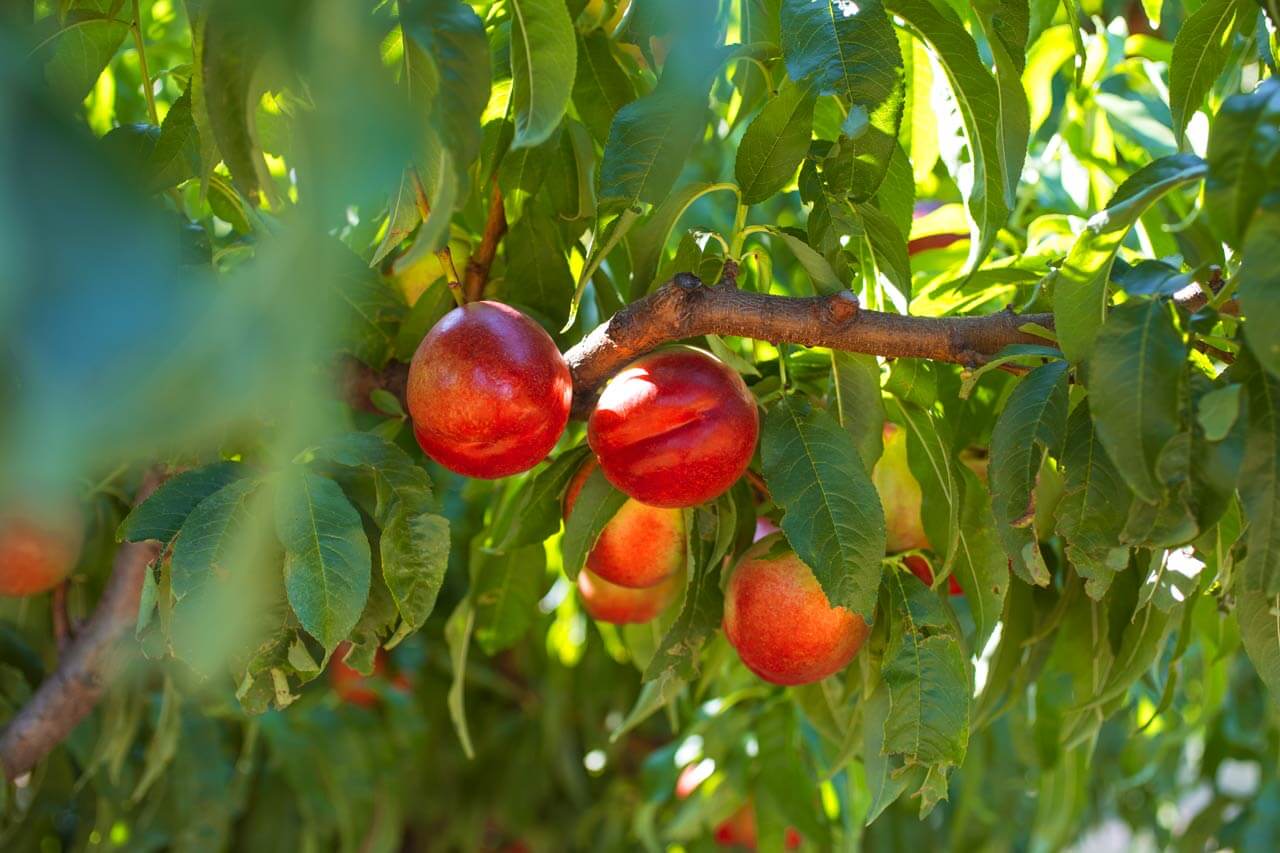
(1259, 617)
(888, 247)
(979, 98)
(176, 155)
(1094, 504)
(1080, 285)
(208, 534)
(230, 55)
(1260, 480)
(858, 404)
(535, 512)
(825, 280)
(1199, 56)
(544, 55)
(851, 50)
(699, 618)
(452, 35)
(887, 778)
(457, 636)
(1006, 24)
(505, 594)
(601, 86)
(1259, 278)
(327, 556)
(833, 517)
(1244, 138)
(648, 239)
(934, 468)
(538, 273)
(81, 50)
(980, 564)
(597, 503)
(1134, 381)
(1216, 411)
(775, 142)
(163, 514)
(929, 680)
(651, 137)
(1032, 424)
(403, 216)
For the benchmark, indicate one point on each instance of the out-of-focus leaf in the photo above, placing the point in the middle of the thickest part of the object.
(1259, 617)
(601, 86)
(597, 503)
(403, 216)
(176, 155)
(1032, 424)
(1244, 139)
(327, 557)
(505, 592)
(452, 35)
(457, 635)
(833, 517)
(1094, 505)
(1260, 287)
(1199, 56)
(1080, 286)
(230, 54)
(1134, 380)
(163, 514)
(544, 56)
(850, 50)
(775, 142)
(81, 49)
(1260, 481)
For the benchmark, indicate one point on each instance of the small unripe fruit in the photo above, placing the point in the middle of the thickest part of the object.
(37, 554)
(675, 429)
(620, 605)
(899, 494)
(488, 391)
(640, 546)
(780, 621)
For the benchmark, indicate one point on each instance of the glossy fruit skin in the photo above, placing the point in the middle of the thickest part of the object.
(780, 622)
(488, 391)
(899, 494)
(640, 547)
(37, 554)
(620, 605)
(674, 429)
(920, 567)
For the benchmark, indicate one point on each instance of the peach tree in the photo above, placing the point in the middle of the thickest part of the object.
(639, 424)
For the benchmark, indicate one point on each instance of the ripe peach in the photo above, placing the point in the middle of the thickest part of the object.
(899, 494)
(739, 829)
(780, 622)
(608, 602)
(488, 391)
(674, 429)
(37, 553)
(640, 546)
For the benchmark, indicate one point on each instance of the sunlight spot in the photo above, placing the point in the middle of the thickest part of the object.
(594, 761)
(848, 8)
(690, 750)
(982, 663)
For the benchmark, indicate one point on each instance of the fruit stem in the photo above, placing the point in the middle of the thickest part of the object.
(444, 255)
(739, 232)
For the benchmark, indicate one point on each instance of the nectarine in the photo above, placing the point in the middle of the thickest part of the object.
(899, 494)
(640, 546)
(608, 602)
(780, 621)
(37, 554)
(675, 428)
(488, 391)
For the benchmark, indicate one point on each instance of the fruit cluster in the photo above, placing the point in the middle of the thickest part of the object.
(490, 395)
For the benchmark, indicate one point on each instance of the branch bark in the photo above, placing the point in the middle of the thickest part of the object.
(71, 691)
(495, 227)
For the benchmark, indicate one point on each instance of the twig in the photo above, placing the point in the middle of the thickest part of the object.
(61, 622)
(444, 255)
(71, 691)
(495, 227)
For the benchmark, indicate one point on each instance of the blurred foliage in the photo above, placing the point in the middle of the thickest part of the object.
(207, 206)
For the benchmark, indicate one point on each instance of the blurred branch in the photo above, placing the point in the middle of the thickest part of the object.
(685, 308)
(71, 691)
(482, 259)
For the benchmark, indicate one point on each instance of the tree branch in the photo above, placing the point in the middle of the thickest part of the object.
(70, 693)
(477, 274)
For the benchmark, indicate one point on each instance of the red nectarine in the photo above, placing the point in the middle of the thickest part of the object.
(608, 602)
(780, 622)
(919, 566)
(640, 546)
(37, 554)
(674, 429)
(488, 391)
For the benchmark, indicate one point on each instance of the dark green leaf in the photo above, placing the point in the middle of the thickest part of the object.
(1199, 56)
(833, 517)
(1260, 481)
(176, 155)
(452, 35)
(538, 274)
(775, 142)
(699, 618)
(81, 50)
(597, 503)
(543, 64)
(327, 556)
(601, 86)
(858, 405)
(1032, 424)
(505, 594)
(163, 514)
(1245, 137)
(1260, 287)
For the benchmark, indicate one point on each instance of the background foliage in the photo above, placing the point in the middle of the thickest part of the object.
(203, 203)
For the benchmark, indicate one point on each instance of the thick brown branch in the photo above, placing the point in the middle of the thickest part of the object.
(477, 274)
(69, 694)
